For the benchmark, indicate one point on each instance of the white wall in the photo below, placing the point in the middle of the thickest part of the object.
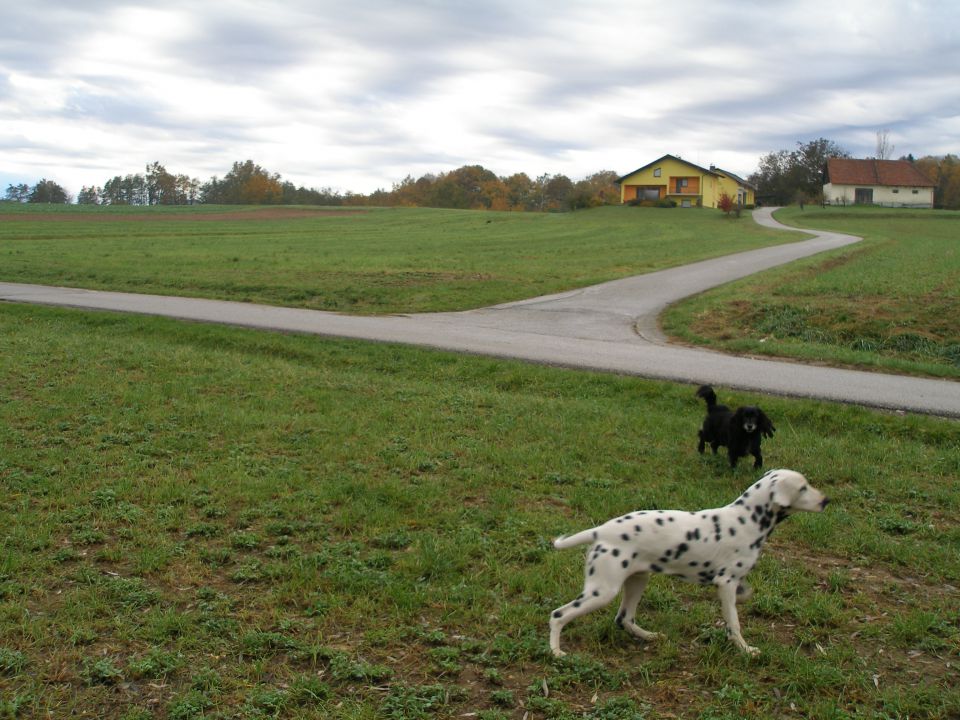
(882, 195)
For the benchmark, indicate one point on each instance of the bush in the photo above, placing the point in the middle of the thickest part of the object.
(664, 203)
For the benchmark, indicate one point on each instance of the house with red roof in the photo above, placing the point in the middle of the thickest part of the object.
(892, 183)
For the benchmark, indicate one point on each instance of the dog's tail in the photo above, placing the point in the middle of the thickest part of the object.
(569, 541)
(706, 392)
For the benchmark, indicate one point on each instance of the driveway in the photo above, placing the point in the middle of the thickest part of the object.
(610, 327)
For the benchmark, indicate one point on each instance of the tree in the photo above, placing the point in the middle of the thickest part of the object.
(18, 193)
(725, 203)
(89, 195)
(246, 184)
(884, 146)
(187, 189)
(785, 176)
(520, 191)
(161, 185)
(945, 173)
(810, 160)
(600, 188)
(47, 191)
(128, 190)
(466, 188)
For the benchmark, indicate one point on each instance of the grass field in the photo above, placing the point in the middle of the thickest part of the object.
(372, 261)
(207, 522)
(889, 303)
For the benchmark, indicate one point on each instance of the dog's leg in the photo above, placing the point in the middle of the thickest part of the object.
(592, 598)
(728, 606)
(744, 592)
(702, 444)
(632, 591)
(758, 461)
(732, 454)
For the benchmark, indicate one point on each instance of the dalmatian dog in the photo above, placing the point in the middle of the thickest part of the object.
(711, 547)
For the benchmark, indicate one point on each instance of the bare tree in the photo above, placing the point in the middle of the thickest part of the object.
(884, 146)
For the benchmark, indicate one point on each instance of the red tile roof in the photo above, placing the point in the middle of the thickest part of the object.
(898, 173)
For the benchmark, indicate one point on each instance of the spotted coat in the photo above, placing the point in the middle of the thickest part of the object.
(717, 546)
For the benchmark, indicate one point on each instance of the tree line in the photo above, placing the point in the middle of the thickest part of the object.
(471, 187)
(782, 177)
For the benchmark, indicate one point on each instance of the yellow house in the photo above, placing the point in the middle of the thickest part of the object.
(689, 185)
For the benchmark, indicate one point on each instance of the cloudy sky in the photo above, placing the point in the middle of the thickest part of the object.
(358, 95)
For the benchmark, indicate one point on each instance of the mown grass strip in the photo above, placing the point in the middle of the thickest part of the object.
(376, 261)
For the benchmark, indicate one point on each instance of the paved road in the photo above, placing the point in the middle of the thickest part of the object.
(608, 327)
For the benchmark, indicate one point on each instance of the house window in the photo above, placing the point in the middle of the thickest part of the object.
(896, 191)
(656, 173)
(916, 192)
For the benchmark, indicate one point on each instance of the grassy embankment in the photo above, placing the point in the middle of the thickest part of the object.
(890, 303)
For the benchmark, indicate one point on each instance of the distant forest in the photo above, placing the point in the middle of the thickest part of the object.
(783, 177)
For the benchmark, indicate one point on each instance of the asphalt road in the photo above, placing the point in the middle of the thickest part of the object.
(610, 327)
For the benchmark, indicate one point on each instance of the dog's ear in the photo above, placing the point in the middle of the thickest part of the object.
(766, 426)
(784, 492)
(792, 491)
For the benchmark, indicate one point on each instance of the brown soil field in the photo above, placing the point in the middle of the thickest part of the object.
(267, 213)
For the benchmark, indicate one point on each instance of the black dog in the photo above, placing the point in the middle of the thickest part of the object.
(740, 432)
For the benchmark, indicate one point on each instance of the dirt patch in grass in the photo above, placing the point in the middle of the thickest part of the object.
(270, 213)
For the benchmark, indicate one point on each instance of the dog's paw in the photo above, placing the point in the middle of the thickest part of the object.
(557, 652)
(751, 650)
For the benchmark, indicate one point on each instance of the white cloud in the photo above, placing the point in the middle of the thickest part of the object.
(358, 96)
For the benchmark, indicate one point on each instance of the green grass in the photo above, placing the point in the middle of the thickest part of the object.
(212, 522)
(369, 261)
(889, 303)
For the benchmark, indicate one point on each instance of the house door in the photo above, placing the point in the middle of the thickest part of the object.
(863, 196)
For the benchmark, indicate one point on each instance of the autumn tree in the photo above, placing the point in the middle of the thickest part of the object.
(246, 184)
(725, 203)
(944, 172)
(463, 188)
(519, 191)
(600, 188)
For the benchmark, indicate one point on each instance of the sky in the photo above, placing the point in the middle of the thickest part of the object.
(356, 96)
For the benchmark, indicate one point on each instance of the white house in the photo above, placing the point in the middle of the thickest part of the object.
(893, 183)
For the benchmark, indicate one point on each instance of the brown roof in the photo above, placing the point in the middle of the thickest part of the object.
(899, 173)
